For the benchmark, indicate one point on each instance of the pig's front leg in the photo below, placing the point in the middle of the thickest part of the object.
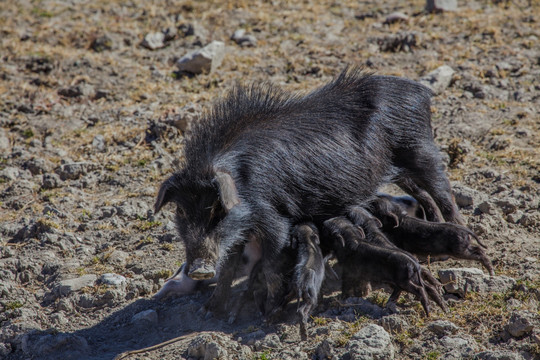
(179, 284)
(219, 298)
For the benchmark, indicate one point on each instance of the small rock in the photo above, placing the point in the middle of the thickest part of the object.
(4, 141)
(51, 181)
(441, 5)
(118, 258)
(38, 166)
(529, 219)
(153, 41)
(34, 343)
(443, 327)
(242, 39)
(204, 347)
(487, 207)
(459, 280)
(112, 279)
(464, 196)
(73, 171)
(71, 91)
(145, 317)
(458, 347)
(272, 341)
(439, 79)
(394, 324)
(66, 287)
(99, 143)
(371, 342)
(498, 355)
(206, 59)
(101, 43)
(9, 174)
(522, 323)
(325, 350)
(396, 17)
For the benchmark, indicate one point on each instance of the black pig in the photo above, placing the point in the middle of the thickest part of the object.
(439, 241)
(263, 159)
(363, 261)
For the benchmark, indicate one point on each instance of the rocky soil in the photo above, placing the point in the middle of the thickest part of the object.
(95, 98)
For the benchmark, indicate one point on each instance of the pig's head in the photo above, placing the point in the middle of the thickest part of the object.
(201, 205)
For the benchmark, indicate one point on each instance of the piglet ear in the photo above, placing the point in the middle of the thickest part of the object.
(227, 190)
(166, 193)
(315, 239)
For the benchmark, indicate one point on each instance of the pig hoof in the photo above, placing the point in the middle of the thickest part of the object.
(231, 320)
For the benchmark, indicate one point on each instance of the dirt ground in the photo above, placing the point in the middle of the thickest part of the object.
(92, 119)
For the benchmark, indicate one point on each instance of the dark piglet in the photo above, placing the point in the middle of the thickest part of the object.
(308, 272)
(250, 166)
(362, 260)
(438, 241)
(373, 235)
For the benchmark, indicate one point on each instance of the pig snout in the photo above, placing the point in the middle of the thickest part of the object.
(201, 269)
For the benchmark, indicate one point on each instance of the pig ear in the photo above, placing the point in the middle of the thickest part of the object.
(341, 240)
(315, 239)
(379, 223)
(227, 190)
(421, 213)
(361, 231)
(165, 194)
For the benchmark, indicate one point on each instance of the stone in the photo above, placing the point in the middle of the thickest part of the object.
(112, 280)
(51, 181)
(74, 170)
(35, 343)
(205, 347)
(38, 166)
(271, 341)
(522, 323)
(439, 79)
(71, 91)
(149, 316)
(203, 60)
(371, 342)
(66, 287)
(498, 355)
(441, 5)
(487, 207)
(443, 327)
(458, 347)
(325, 350)
(118, 258)
(241, 38)
(464, 196)
(9, 173)
(4, 142)
(460, 280)
(394, 324)
(98, 143)
(153, 41)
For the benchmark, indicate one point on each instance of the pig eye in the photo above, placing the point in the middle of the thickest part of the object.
(180, 211)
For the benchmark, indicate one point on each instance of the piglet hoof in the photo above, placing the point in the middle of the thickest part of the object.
(303, 332)
(232, 319)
